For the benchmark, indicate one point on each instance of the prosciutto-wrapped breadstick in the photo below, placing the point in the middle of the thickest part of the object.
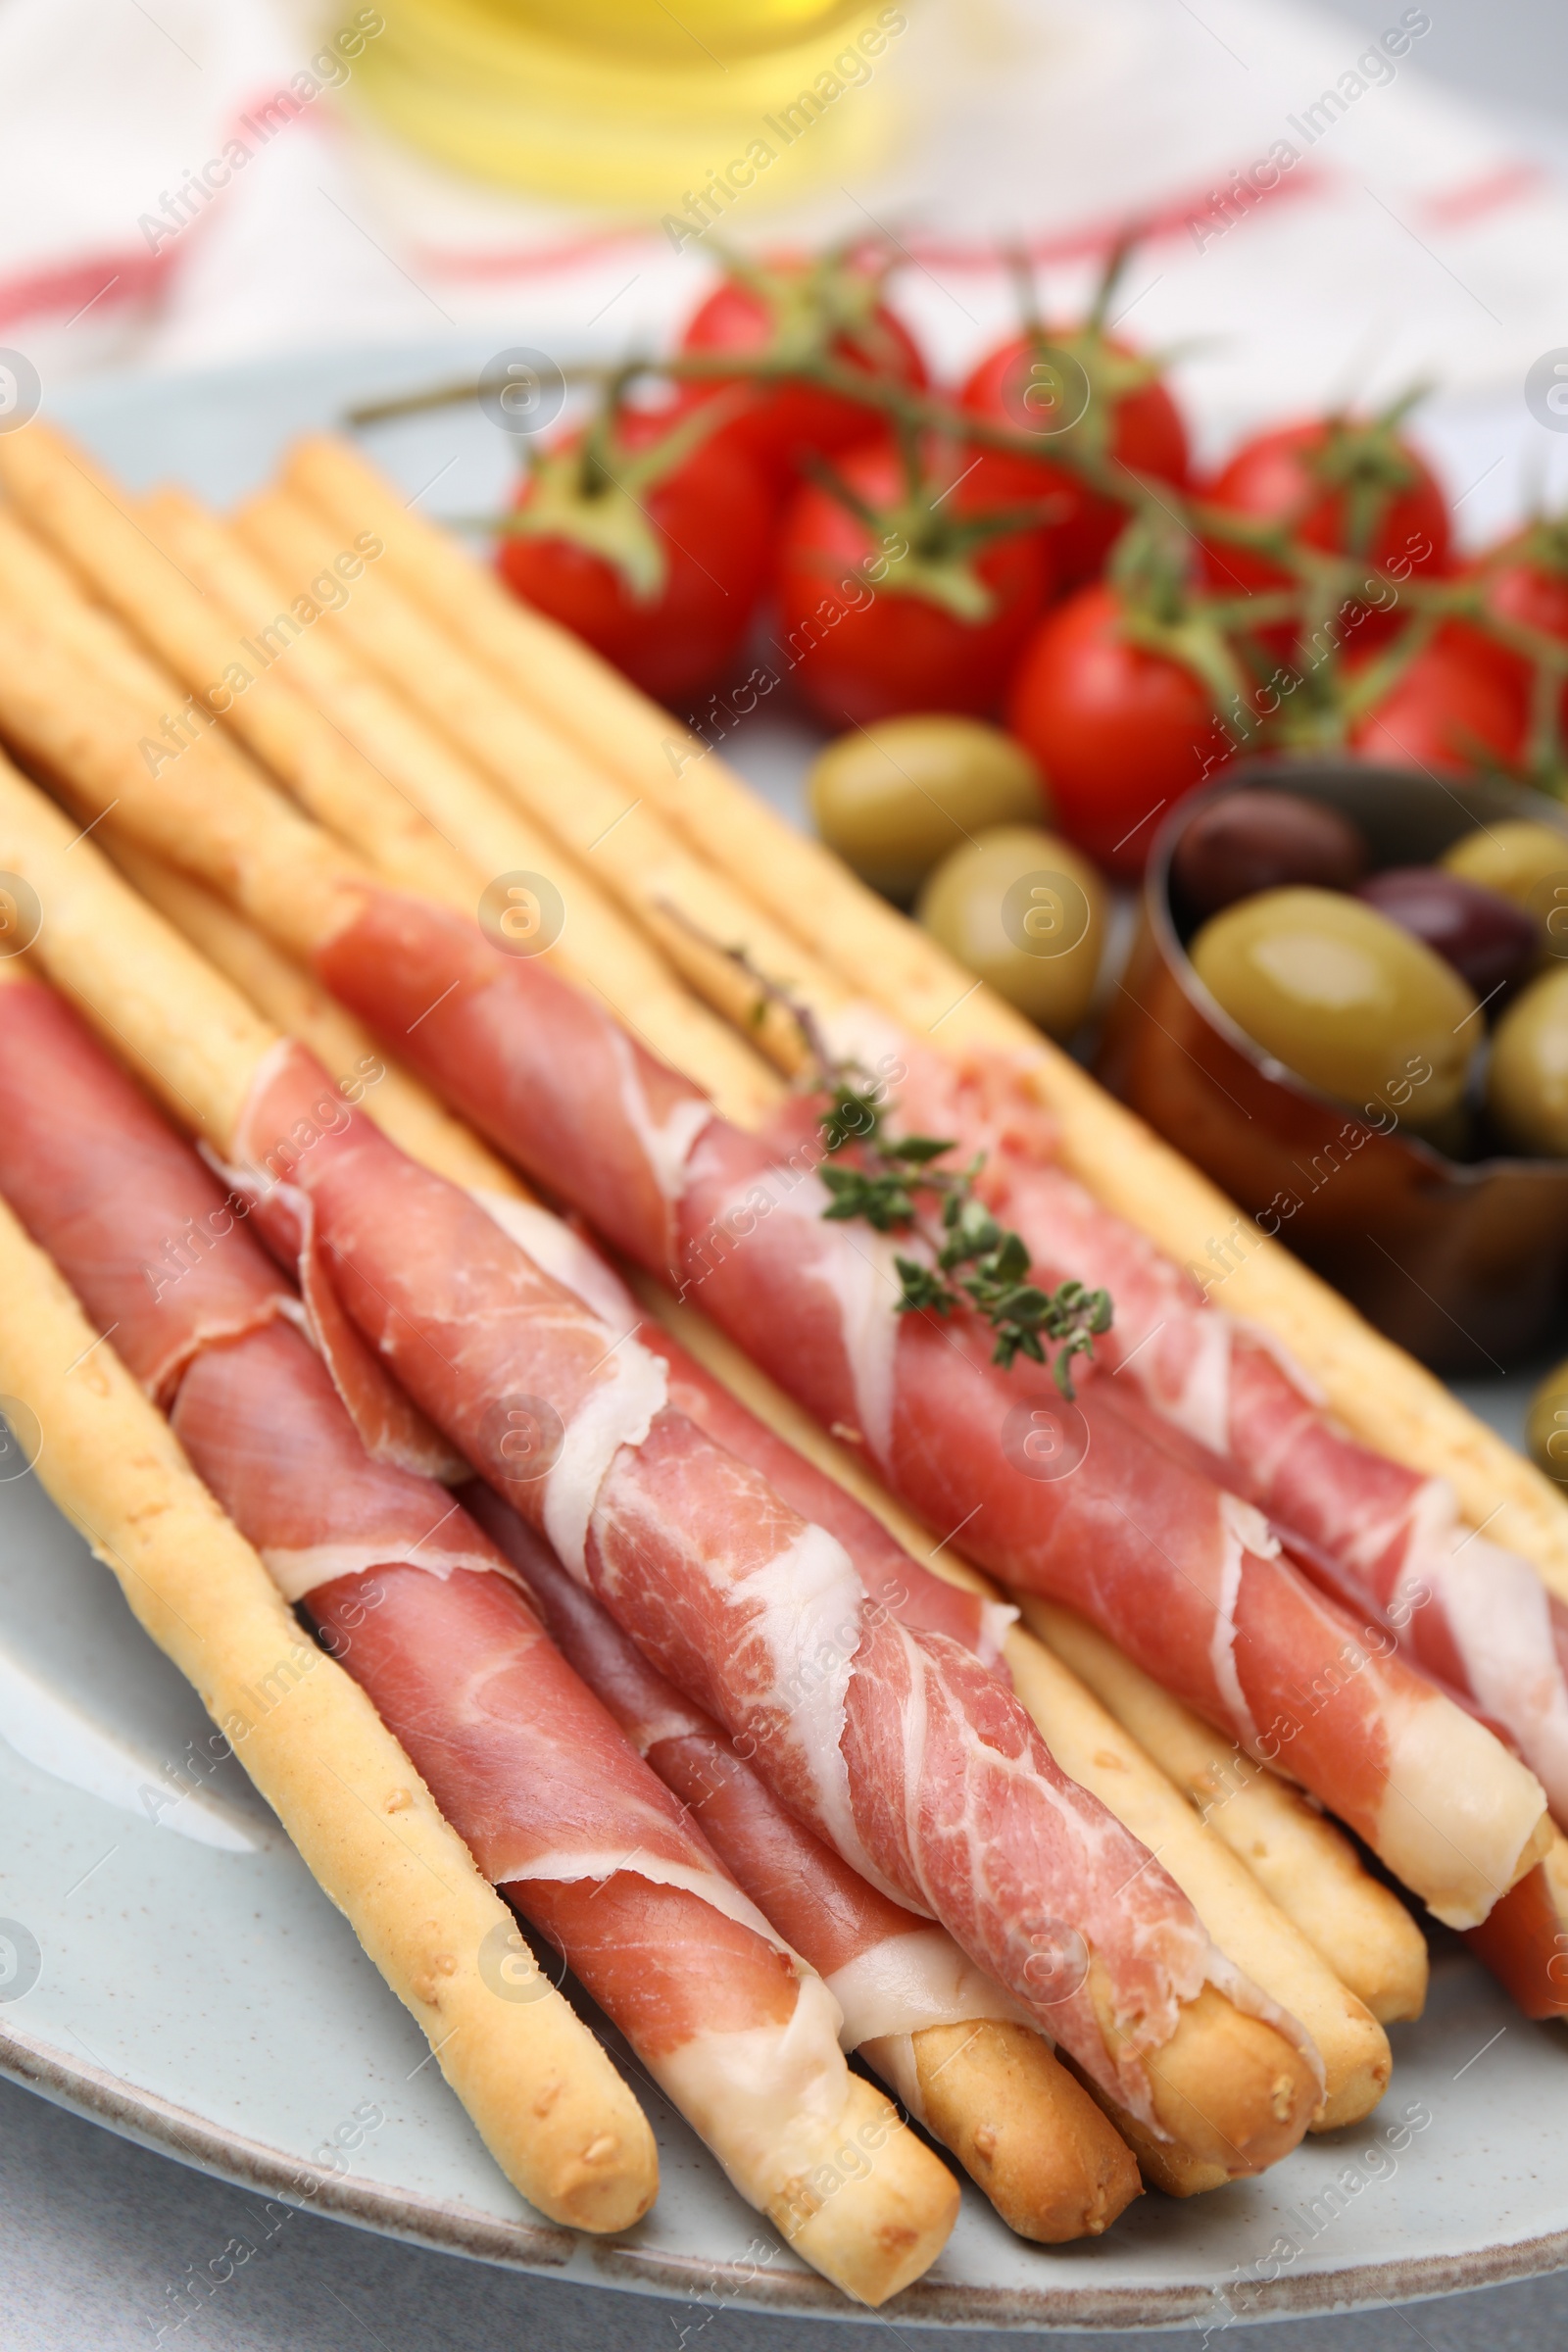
(1377, 1393)
(548, 2104)
(1236, 1911)
(917, 2012)
(752, 1611)
(559, 1812)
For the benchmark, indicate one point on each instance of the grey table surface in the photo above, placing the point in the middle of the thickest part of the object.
(94, 2231)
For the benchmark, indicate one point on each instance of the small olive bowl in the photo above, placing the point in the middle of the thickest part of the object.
(1464, 1262)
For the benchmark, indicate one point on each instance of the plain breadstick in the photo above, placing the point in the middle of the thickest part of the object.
(211, 812)
(299, 1005)
(547, 2102)
(1387, 1399)
(90, 523)
(1362, 1931)
(678, 899)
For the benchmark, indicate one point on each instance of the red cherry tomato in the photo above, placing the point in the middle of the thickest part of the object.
(798, 310)
(1130, 417)
(1448, 710)
(1119, 732)
(1351, 487)
(1525, 581)
(892, 615)
(662, 577)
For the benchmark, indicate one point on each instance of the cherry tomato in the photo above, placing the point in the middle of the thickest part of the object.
(1077, 387)
(1525, 581)
(1447, 711)
(1119, 732)
(655, 551)
(1351, 486)
(911, 609)
(796, 312)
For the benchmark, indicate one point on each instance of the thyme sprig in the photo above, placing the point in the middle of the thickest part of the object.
(978, 1260)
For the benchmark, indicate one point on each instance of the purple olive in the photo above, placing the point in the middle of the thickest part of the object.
(1263, 840)
(1490, 941)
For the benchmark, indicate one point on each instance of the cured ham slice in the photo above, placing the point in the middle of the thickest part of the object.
(898, 1746)
(1185, 1575)
(415, 1600)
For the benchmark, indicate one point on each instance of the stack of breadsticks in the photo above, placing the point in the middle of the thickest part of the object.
(270, 722)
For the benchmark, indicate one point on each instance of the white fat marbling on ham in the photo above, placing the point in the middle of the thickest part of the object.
(1202, 1404)
(855, 1265)
(767, 2099)
(907, 1982)
(614, 1412)
(666, 1143)
(573, 1866)
(811, 1606)
(297, 1570)
(1246, 1531)
(563, 1253)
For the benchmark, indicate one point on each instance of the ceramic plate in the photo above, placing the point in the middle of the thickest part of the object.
(167, 1966)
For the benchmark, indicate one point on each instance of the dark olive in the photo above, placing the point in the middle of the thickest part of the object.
(1488, 940)
(1263, 840)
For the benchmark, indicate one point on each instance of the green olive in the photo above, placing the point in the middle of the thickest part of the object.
(1527, 1085)
(1027, 912)
(1523, 862)
(1547, 1430)
(894, 798)
(1345, 998)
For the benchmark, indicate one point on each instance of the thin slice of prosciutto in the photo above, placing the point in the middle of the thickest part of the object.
(1078, 1505)
(895, 1745)
(419, 1605)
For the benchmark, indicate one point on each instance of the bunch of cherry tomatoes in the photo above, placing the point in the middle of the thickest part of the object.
(787, 497)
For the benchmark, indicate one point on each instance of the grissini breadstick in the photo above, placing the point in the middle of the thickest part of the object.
(990, 2091)
(558, 2120)
(289, 998)
(406, 1590)
(1228, 2075)
(1099, 1753)
(212, 811)
(89, 523)
(616, 836)
(1363, 1932)
(1374, 1387)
